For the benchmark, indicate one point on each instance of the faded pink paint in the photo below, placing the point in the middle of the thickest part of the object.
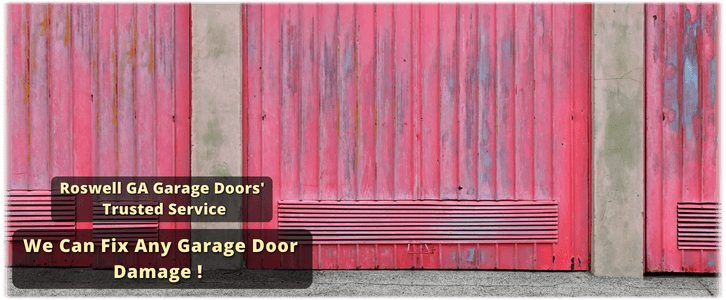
(97, 90)
(681, 138)
(386, 104)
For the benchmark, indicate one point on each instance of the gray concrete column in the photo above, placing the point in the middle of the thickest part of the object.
(216, 90)
(216, 111)
(618, 126)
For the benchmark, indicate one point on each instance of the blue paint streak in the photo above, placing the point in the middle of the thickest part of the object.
(711, 263)
(690, 78)
(712, 81)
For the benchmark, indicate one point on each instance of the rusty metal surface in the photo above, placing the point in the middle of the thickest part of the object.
(681, 131)
(97, 90)
(391, 103)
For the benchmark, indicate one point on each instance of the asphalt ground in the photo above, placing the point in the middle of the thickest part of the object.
(435, 283)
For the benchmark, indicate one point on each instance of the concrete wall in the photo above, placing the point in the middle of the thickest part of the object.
(216, 109)
(618, 140)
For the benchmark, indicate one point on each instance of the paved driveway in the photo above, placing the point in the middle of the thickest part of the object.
(466, 283)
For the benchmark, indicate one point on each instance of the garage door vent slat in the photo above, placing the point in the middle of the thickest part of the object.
(432, 221)
(124, 228)
(698, 225)
(40, 215)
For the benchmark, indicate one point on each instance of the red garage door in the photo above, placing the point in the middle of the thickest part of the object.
(423, 136)
(682, 204)
(94, 90)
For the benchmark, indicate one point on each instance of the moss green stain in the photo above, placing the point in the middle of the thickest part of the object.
(212, 140)
(623, 122)
(213, 135)
(221, 169)
(217, 41)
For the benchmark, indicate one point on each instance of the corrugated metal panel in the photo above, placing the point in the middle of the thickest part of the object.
(98, 90)
(405, 102)
(681, 129)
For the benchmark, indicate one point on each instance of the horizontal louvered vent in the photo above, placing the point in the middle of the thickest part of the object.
(430, 221)
(124, 227)
(38, 214)
(698, 225)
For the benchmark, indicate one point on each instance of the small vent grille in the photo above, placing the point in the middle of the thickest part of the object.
(698, 225)
(429, 221)
(38, 214)
(124, 227)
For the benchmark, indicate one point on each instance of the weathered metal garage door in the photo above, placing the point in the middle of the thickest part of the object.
(94, 90)
(423, 136)
(682, 204)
